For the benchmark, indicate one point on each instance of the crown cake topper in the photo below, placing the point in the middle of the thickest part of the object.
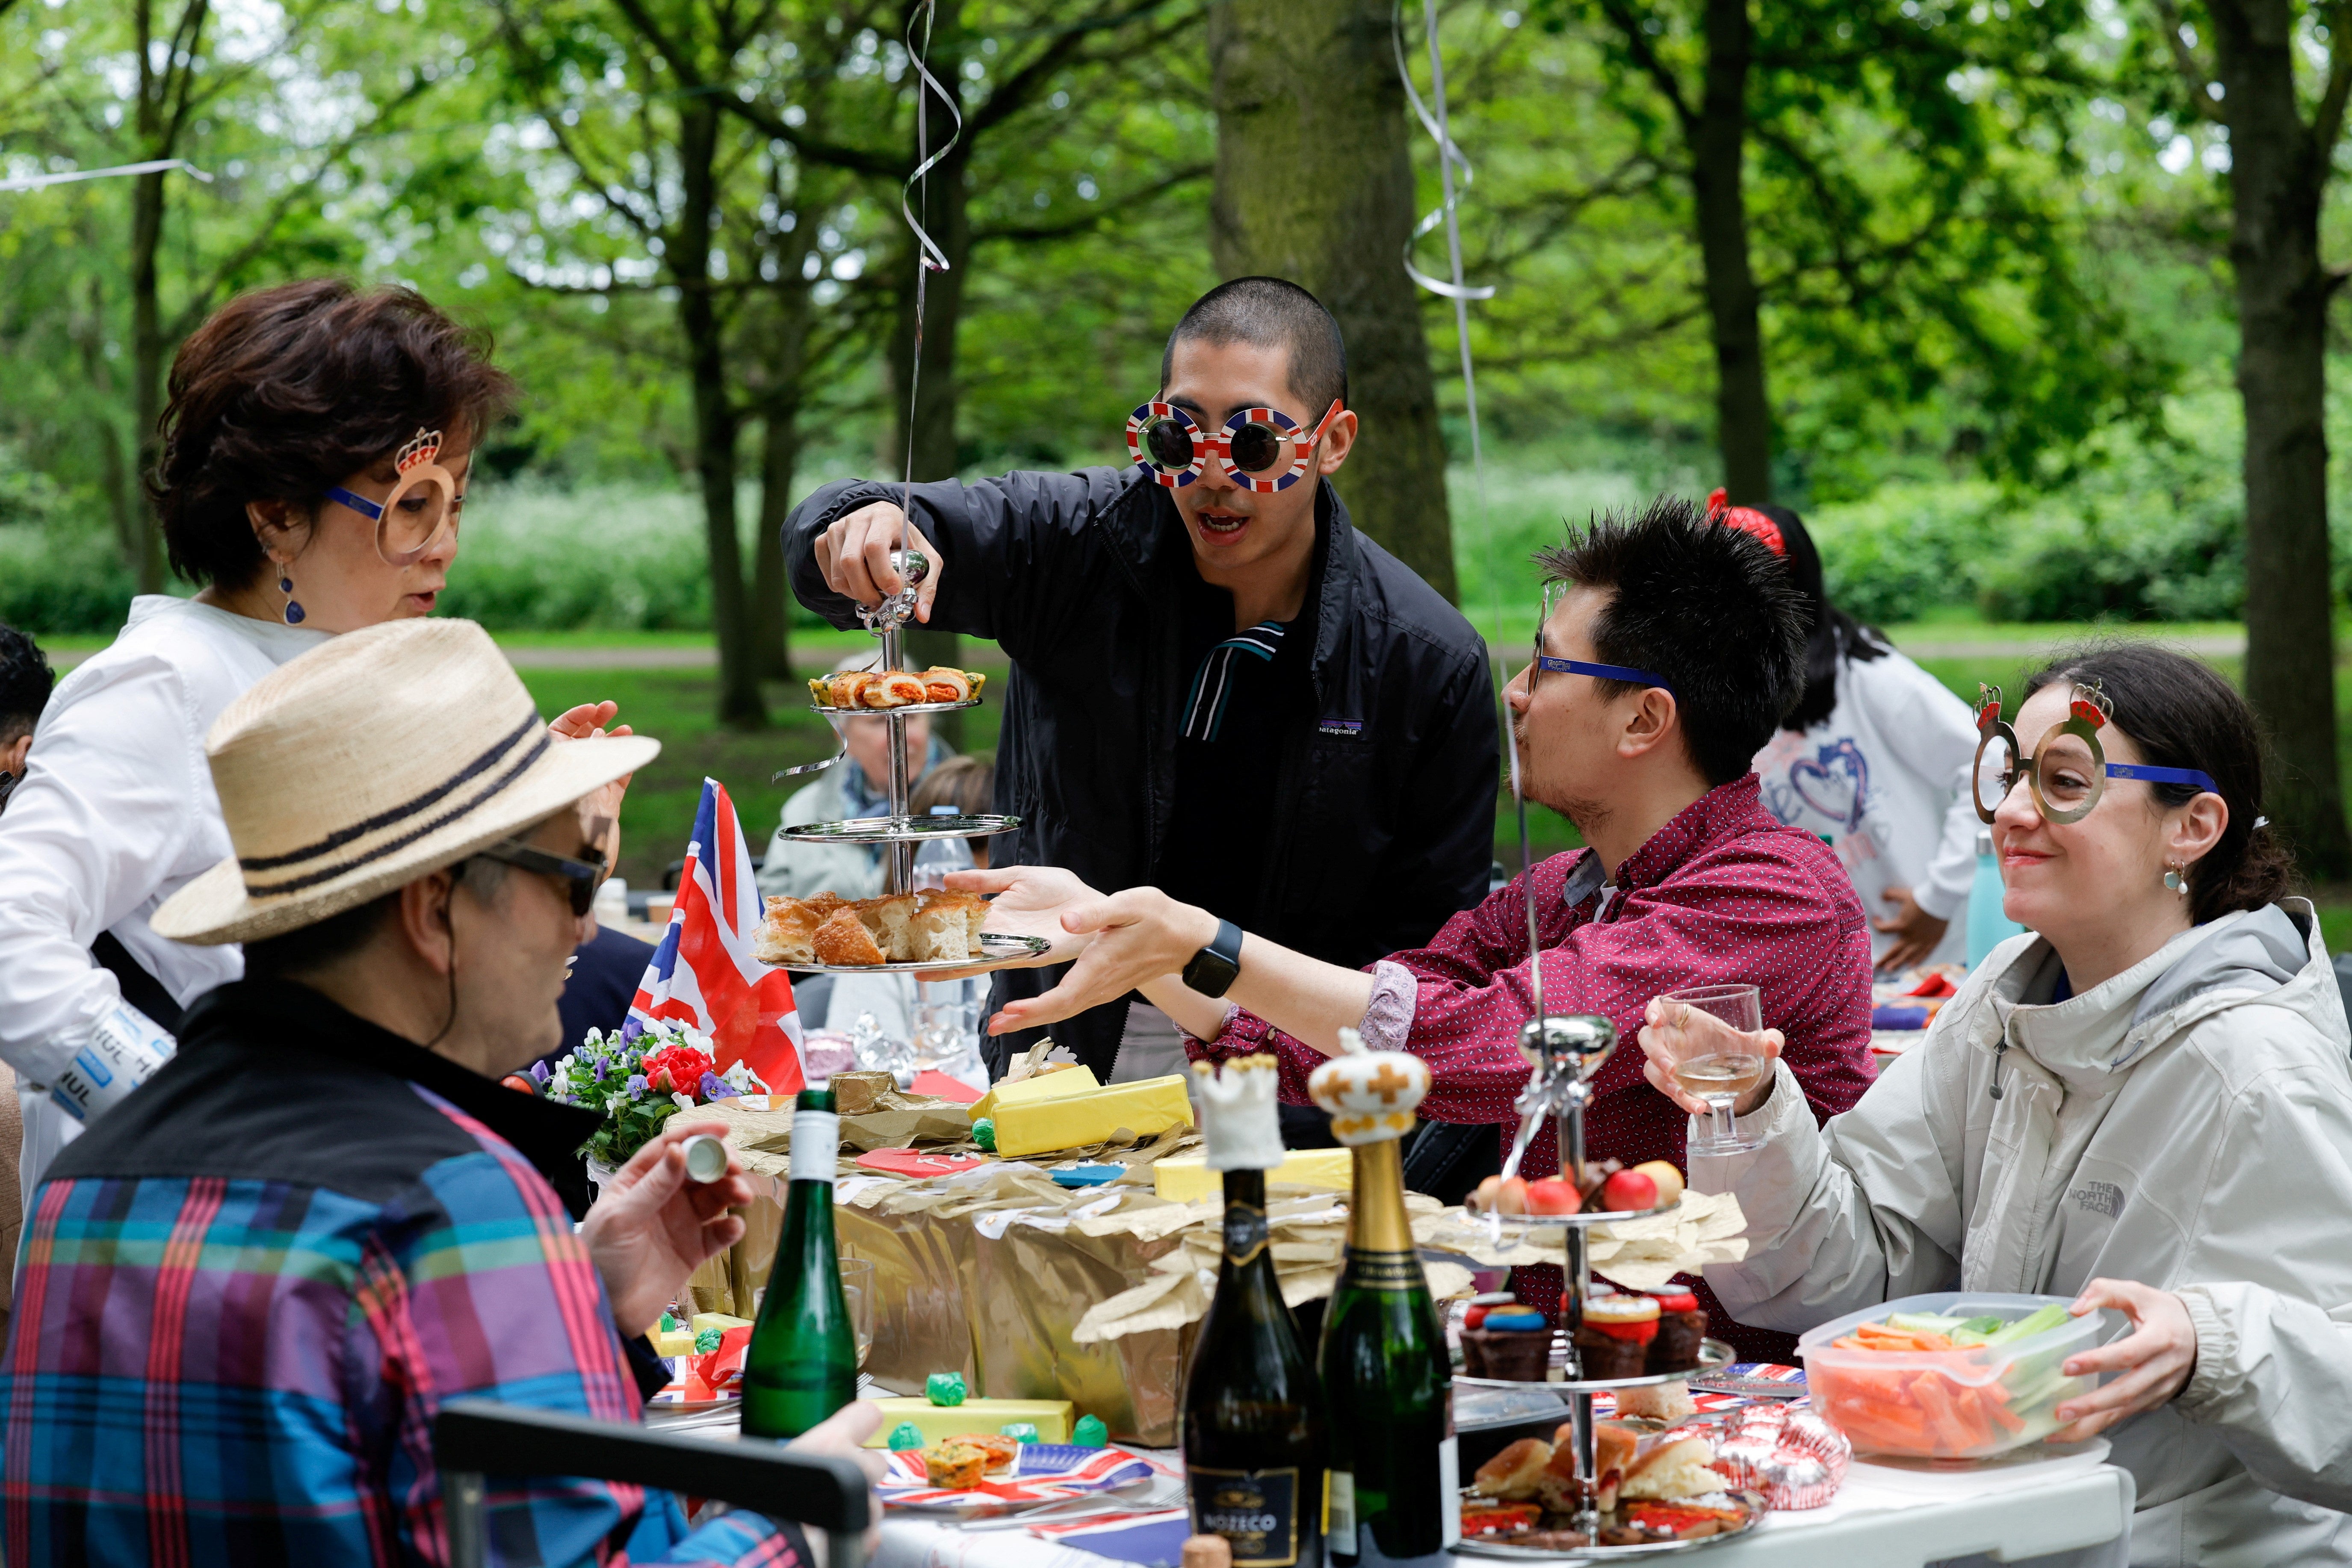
(1370, 1094)
(424, 446)
(1237, 1114)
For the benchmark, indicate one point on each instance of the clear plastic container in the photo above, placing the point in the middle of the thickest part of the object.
(1968, 1404)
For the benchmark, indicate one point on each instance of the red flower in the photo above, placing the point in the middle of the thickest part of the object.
(676, 1069)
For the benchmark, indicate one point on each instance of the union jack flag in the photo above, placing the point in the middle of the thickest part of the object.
(703, 974)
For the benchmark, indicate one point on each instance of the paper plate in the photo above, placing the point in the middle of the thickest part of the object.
(1046, 1472)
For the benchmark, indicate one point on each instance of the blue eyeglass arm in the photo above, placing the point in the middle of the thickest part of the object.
(2197, 776)
(360, 504)
(1606, 671)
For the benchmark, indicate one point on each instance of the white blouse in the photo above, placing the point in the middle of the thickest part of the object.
(1884, 779)
(116, 811)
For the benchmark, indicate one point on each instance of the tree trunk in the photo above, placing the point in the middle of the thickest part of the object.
(2277, 177)
(1314, 184)
(945, 210)
(715, 425)
(1743, 417)
(771, 594)
(147, 350)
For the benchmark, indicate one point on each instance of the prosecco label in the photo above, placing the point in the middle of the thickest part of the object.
(1255, 1510)
(1245, 1234)
(1385, 1270)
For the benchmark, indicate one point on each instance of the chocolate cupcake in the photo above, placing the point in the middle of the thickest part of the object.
(1601, 1355)
(1682, 1327)
(1514, 1344)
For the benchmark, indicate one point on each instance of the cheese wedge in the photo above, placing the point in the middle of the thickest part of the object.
(1140, 1110)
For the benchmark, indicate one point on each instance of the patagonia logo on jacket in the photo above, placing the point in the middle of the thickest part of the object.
(2099, 1198)
(1351, 728)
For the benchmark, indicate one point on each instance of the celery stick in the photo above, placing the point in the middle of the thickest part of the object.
(2042, 1320)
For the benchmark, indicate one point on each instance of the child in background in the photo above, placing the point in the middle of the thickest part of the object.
(1874, 759)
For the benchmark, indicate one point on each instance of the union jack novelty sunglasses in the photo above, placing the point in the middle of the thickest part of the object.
(1253, 445)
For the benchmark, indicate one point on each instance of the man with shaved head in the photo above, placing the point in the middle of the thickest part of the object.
(1217, 683)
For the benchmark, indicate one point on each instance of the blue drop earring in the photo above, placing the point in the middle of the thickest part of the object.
(293, 605)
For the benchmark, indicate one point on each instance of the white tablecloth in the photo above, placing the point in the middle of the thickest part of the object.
(2073, 1509)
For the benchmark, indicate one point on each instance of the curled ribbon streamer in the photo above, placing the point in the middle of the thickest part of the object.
(39, 182)
(1450, 158)
(929, 257)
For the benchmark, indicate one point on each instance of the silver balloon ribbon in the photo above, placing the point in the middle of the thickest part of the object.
(156, 165)
(1457, 289)
(929, 257)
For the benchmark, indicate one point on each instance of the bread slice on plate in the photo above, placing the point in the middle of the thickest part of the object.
(786, 935)
(886, 920)
(843, 940)
(946, 924)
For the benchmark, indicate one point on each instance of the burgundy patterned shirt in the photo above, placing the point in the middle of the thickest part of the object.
(1722, 894)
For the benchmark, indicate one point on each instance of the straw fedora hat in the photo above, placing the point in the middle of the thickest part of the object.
(369, 762)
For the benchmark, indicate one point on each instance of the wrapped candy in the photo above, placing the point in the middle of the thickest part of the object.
(1793, 1456)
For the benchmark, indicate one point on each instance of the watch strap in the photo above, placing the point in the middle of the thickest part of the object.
(1214, 968)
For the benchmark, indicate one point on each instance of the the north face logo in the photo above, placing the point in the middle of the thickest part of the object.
(2099, 1198)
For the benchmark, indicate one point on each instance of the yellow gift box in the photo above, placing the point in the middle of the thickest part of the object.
(1059, 1084)
(720, 1320)
(1051, 1417)
(1187, 1179)
(1041, 1124)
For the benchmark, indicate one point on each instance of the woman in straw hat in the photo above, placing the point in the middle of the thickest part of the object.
(316, 447)
(358, 1210)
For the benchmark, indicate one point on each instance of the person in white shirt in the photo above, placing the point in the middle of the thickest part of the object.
(1874, 759)
(316, 447)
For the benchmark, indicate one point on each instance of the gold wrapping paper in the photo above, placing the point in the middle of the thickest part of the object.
(1641, 1254)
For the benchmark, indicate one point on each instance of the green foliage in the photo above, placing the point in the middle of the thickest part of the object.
(56, 577)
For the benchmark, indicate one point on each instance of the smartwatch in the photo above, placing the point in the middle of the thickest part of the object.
(1213, 968)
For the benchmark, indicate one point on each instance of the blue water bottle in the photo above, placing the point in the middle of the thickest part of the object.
(1988, 927)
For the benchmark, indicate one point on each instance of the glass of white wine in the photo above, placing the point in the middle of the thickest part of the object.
(858, 1290)
(1718, 1066)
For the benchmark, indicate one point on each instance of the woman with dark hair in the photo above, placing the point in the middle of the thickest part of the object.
(1873, 758)
(316, 447)
(2143, 1102)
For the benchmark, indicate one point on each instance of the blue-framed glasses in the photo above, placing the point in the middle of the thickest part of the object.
(1624, 672)
(423, 505)
(2069, 771)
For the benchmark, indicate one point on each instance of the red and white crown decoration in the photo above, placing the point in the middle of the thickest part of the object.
(1988, 708)
(1370, 1094)
(2091, 704)
(423, 446)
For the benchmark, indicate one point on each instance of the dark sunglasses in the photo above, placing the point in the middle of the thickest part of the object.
(581, 877)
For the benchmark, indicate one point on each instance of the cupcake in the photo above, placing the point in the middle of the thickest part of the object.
(1614, 1341)
(1473, 1353)
(1681, 1329)
(1511, 1342)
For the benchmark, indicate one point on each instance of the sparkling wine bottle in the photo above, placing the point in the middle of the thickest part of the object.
(1389, 1390)
(1253, 1429)
(801, 1364)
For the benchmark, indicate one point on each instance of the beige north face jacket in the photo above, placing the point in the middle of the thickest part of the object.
(2188, 1125)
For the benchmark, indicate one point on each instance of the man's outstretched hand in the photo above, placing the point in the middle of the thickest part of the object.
(854, 553)
(652, 1226)
(1118, 941)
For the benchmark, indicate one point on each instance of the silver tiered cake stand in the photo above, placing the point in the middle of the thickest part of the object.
(901, 831)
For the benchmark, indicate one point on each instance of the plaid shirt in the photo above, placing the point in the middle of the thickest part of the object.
(245, 1293)
(1721, 894)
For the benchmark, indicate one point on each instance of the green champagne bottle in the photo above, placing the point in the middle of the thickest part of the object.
(801, 1364)
(1387, 1381)
(1253, 1426)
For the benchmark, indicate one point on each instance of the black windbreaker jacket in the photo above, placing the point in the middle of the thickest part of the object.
(1386, 799)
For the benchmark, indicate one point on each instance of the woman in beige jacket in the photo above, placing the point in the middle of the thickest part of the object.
(2143, 1102)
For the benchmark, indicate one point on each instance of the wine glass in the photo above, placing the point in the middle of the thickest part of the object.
(858, 1290)
(1718, 1066)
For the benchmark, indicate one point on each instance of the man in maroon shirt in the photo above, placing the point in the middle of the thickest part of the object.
(1673, 653)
